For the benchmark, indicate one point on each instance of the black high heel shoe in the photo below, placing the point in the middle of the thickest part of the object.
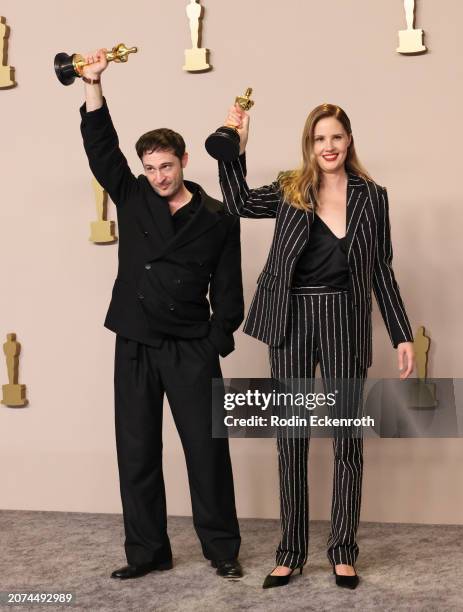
(276, 581)
(348, 582)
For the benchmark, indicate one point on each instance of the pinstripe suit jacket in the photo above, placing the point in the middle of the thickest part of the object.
(369, 252)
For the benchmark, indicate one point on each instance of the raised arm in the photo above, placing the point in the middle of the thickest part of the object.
(101, 142)
(237, 197)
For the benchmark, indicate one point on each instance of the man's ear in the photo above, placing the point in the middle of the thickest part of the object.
(184, 160)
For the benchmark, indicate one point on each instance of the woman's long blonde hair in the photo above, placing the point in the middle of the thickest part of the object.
(300, 187)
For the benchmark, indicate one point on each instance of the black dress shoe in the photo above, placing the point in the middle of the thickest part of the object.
(230, 568)
(347, 582)
(271, 582)
(135, 571)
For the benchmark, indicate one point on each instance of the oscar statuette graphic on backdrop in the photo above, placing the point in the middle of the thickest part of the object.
(411, 39)
(102, 231)
(6, 72)
(13, 394)
(196, 57)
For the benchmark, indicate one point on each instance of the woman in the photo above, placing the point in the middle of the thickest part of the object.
(330, 249)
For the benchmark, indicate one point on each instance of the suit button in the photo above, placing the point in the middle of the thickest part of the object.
(177, 281)
(171, 307)
(141, 296)
(147, 266)
(145, 234)
(201, 263)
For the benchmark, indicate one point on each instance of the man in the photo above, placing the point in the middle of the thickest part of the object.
(176, 244)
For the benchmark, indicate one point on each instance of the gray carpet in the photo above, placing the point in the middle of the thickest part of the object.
(402, 567)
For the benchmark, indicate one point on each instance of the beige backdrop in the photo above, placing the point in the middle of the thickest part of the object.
(59, 453)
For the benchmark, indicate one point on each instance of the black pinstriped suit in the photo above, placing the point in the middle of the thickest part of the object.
(311, 325)
(369, 256)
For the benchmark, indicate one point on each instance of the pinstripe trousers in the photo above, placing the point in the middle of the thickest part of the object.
(319, 331)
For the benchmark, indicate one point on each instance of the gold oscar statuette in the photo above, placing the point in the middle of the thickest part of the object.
(68, 67)
(410, 40)
(224, 143)
(14, 394)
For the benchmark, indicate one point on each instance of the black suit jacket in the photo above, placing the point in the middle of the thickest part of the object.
(163, 278)
(369, 252)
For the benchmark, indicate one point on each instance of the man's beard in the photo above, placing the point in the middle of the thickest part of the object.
(171, 191)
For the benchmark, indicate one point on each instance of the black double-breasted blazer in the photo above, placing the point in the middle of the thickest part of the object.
(369, 252)
(167, 283)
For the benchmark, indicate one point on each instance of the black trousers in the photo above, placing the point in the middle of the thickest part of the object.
(182, 369)
(319, 331)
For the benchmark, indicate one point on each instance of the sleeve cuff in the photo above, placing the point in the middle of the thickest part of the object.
(222, 341)
(396, 343)
(95, 116)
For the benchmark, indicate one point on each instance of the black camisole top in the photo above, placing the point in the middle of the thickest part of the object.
(323, 262)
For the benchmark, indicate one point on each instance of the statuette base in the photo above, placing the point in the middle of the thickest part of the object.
(422, 396)
(103, 232)
(196, 60)
(411, 41)
(14, 395)
(6, 74)
(224, 144)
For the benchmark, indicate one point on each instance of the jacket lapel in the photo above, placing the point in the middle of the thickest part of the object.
(357, 197)
(202, 221)
(157, 212)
